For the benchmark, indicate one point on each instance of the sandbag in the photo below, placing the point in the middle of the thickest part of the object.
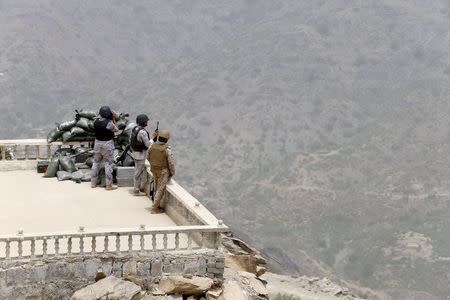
(123, 139)
(86, 177)
(63, 175)
(121, 124)
(66, 136)
(67, 164)
(65, 151)
(89, 162)
(130, 127)
(81, 154)
(91, 125)
(83, 123)
(81, 175)
(53, 167)
(86, 114)
(54, 135)
(128, 161)
(75, 131)
(67, 125)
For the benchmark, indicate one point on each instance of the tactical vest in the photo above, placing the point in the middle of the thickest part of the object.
(101, 133)
(135, 144)
(157, 157)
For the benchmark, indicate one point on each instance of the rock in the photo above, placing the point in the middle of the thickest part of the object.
(135, 279)
(185, 286)
(110, 288)
(260, 271)
(254, 283)
(213, 294)
(152, 297)
(241, 262)
(232, 291)
(330, 288)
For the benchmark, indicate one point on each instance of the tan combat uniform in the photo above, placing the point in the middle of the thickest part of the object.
(162, 167)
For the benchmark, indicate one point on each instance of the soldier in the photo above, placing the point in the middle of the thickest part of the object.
(162, 167)
(140, 141)
(104, 128)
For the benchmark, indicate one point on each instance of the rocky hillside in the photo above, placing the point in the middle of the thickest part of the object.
(316, 129)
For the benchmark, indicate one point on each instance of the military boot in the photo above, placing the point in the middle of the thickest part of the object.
(111, 187)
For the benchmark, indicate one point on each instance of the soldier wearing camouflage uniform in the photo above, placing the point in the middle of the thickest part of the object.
(140, 141)
(162, 167)
(104, 128)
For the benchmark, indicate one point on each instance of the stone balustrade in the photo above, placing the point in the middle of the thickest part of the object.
(66, 244)
(31, 149)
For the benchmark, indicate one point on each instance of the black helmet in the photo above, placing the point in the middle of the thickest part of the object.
(105, 112)
(142, 120)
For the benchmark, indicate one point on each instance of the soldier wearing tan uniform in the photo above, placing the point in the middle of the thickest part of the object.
(162, 167)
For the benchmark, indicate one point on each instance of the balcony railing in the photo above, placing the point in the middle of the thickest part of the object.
(120, 241)
(31, 149)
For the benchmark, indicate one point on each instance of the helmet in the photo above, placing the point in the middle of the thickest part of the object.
(164, 134)
(105, 112)
(142, 119)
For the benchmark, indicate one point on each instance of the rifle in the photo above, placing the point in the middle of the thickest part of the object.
(157, 129)
(123, 155)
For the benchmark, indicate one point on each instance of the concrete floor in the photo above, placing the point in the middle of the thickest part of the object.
(36, 204)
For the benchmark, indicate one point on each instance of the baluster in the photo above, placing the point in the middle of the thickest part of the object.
(94, 244)
(154, 241)
(142, 242)
(106, 244)
(56, 246)
(37, 150)
(26, 148)
(69, 245)
(49, 151)
(44, 247)
(177, 241)
(3, 149)
(19, 248)
(189, 241)
(33, 249)
(81, 244)
(117, 243)
(130, 243)
(165, 241)
(15, 152)
(8, 249)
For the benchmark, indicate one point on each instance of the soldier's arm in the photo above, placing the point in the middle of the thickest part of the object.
(112, 126)
(170, 161)
(143, 137)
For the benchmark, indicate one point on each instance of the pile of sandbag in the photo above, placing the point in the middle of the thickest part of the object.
(62, 165)
(81, 128)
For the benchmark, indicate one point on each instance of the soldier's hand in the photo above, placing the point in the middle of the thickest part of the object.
(154, 134)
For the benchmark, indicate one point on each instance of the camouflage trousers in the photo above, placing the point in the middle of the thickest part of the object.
(160, 187)
(103, 151)
(139, 172)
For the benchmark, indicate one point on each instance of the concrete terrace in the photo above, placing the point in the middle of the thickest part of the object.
(32, 203)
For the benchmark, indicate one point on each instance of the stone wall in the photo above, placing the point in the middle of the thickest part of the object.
(59, 278)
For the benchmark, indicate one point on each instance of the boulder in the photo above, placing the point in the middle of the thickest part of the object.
(213, 294)
(233, 291)
(110, 288)
(260, 271)
(241, 262)
(185, 286)
(254, 283)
